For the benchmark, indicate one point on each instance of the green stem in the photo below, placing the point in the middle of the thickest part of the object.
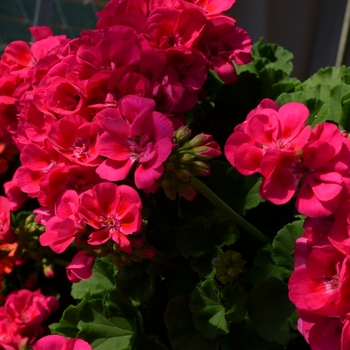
(226, 210)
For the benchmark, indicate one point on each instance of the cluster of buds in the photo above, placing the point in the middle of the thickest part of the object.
(228, 266)
(27, 237)
(188, 159)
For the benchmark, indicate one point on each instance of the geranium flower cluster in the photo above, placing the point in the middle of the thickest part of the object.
(102, 108)
(312, 166)
(22, 317)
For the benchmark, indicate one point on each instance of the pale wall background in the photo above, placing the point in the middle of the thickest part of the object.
(309, 28)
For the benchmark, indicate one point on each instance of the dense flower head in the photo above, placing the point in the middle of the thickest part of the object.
(22, 317)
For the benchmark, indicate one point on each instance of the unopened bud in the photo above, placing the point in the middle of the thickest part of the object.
(187, 158)
(183, 175)
(182, 134)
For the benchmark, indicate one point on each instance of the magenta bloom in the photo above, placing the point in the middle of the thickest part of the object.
(322, 165)
(267, 128)
(23, 315)
(80, 267)
(59, 342)
(139, 135)
(114, 212)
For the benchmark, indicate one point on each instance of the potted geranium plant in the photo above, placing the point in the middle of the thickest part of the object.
(169, 185)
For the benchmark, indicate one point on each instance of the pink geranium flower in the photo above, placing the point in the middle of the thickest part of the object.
(114, 212)
(24, 312)
(138, 135)
(59, 342)
(80, 268)
(268, 127)
(322, 164)
(63, 227)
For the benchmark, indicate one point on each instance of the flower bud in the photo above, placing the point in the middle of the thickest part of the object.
(228, 266)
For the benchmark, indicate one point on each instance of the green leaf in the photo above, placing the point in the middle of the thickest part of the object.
(331, 76)
(101, 281)
(135, 283)
(265, 267)
(278, 57)
(284, 242)
(182, 333)
(270, 310)
(208, 313)
(253, 198)
(268, 56)
(244, 337)
(203, 264)
(67, 325)
(233, 299)
(104, 333)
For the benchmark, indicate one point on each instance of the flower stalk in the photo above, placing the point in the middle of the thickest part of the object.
(226, 210)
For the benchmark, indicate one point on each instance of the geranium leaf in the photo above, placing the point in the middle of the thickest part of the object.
(105, 333)
(68, 323)
(203, 264)
(208, 313)
(284, 242)
(270, 310)
(135, 282)
(233, 299)
(182, 333)
(329, 75)
(265, 267)
(102, 280)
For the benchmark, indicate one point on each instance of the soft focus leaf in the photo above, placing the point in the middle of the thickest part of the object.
(233, 298)
(265, 267)
(270, 310)
(182, 333)
(283, 244)
(213, 309)
(135, 283)
(208, 313)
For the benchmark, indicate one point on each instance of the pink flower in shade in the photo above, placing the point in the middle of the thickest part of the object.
(76, 139)
(222, 42)
(114, 212)
(80, 268)
(315, 235)
(210, 7)
(6, 234)
(59, 96)
(168, 27)
(65, 226)
(59, 342)
(339, 234)
(14, 194)
(141, 136)
(266, 128)
(20, 57)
